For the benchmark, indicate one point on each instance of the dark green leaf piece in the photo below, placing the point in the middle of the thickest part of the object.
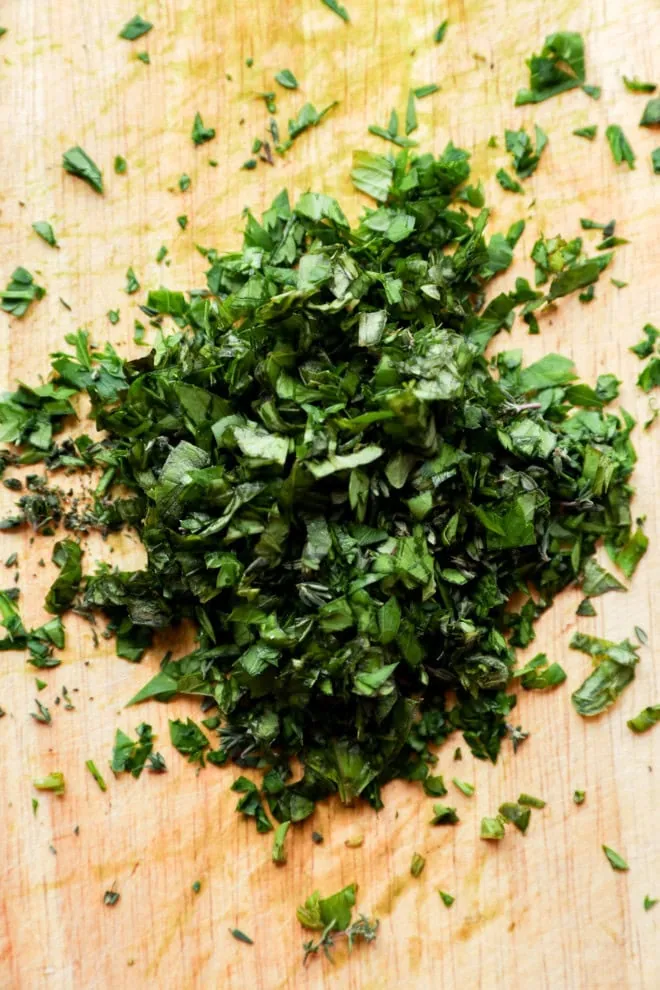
(616, 862)
(440, 32)
(337, 8)
(201, 134)
(517, 815)
(619, 146)
(635, 86)
(45, 232)
(20, 293)
(651, 115)
(77, 162)
(647, 718)
(135, 28)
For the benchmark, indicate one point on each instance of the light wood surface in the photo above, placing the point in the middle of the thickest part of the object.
(541, 911)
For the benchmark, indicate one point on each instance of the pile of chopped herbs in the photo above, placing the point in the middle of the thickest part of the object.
(333, 481)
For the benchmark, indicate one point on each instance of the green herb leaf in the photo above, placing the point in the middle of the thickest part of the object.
(491, 828)
(646, 719)
(132, 284)
(447, 899)
(507, 182)
(287, 79)
(635, 86)
(91, 766)
(649, 902)
(655, 161)
(279, 852)
(579, 797)
(120, 165)
(67, 555)
(20, 293)
(77, 162)
(589, 132)
(651, 115)
(531, 802)
(318, 912)
(337, 8)
(559, 67)
(442, 815)
(440, 32)
(619, 146)
(110, 898)
(189, 739)
(135, 28)
(53, 782)
(615, 670)
(464, 788)
(616, 862)
(201, 134)
(517, 815)
(45, 231)
(417, 864)
(241, 936)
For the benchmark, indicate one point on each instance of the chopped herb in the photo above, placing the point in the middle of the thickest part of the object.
(201, 134)
(525, 157)
(132, 284)
(35, 805)
(287, 79)
(317, 838)
(464, 788)
(517, 815)
(257, 145)
(645, 347)
(67, 555)
(447, 899)
(615, 670)
(182, 221)
(189, 740)
(611, 242)
(20, 293)
(411, 113)
(130, 756)
(144, 57)
(655, 160)
(651, 115)
(250, 164)
(616, 862)
(491, 828)
(120, 165)
(391, 132)
(427, 90)
(279, 852)
(440, 32)
(587, 132)
(538, 674)
(241, 936)
(417, 864)
(45, 231)
(559, 67)
(156, 763)
(649, 902)
(250, 804)
(11, 560)
(249, 62)
(372, 174)
(110, 898)
(337, 8)
(531, 802)
(629, 555)
(113, 316)
(434, 786)
(308, 116)
(646, 719)
(619, 146)
(618, 284)
(91, 766)
(184, 182)
(585, 608)
(53, 782)
(197, 886)
(579, 796)
(635, 86)
(641, 636)
(77, 162)
(42, 714)
(507, 182)
(443, 815)
(135, 28)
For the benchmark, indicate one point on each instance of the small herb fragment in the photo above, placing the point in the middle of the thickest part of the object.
(144, 57)
(391, 132)
(45, 232)
(635, 86)
(538, 674)
(447, 899)
(135, 28)
(651, 115)
(250, 804)
(585, 608)
(579, 796)
(20, 293)
(201, 134)
(655, 161)
(130, 756)
(649, 902)
(434, 786)
(53, 782)
(525, 157)
(559, 67)
(337, 8)
(615, 671)
(42, 714)
(417, 864)
(444, 815)
(619, 146)
(279, 852)
(287, 79)
(646, 719)
(587, 132)
(530, 801)
(120, 165)
(111, 897)
(77, 162)
(616, 862)
(491, 828)
(464, 788)
(440, 32)
(182, 221)
(113, 316)
(507, 182)
(91, 766)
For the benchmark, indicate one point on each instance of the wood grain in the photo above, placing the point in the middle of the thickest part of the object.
(541, 911)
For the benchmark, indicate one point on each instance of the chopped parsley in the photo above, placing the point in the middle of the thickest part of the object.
(619, 146)
(286, 78)
(417, 864)
(440, 32)
(560, 67)
(45, 232)
(91, 766)
(651, 115)
(616, 862)
(77, 162)
(135, 28)
(201, 134)
(337, 8)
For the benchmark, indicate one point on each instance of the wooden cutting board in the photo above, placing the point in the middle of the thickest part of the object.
(540, 911)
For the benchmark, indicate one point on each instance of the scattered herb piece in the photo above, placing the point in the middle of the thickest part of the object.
(250, 804)
(132, 284)
(655, 161)
(35, 805)
(391, 132)
(641, 636)
(135, 28)
(249, 164)
(618, 284)
(91, 766)
(615, 670)
(20, 293)
(113, 316)
(241, 936)
(411, 113)
(447, 899)
(42, 714)
(585, 608)
(120, 165)
(491, 828)
(337, 8)
(559, 67)
(287, 79)
(443, 815)
(579, 796)
(182, 221)
(279, 852)
(308, 116)
(130, 756)
(317, 838)
(646, 719)
(77, 162)
(52, 782)
(538, 674)
(651, 115)
(111, 897)
(649, 902)
(417, 864)
(517, 815)
(440, 32)
(589, 132)
(144, 57)
(427, 90)
(197, 886)
(616, 862)
(184, 182)
(525, 157)
(464, 788)
(635, 86)
(434, 786)
(507, 182)
(530, 801)
(645, 347)
(201, 134)
(619, 146)
(45, 231)
(189, 740)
